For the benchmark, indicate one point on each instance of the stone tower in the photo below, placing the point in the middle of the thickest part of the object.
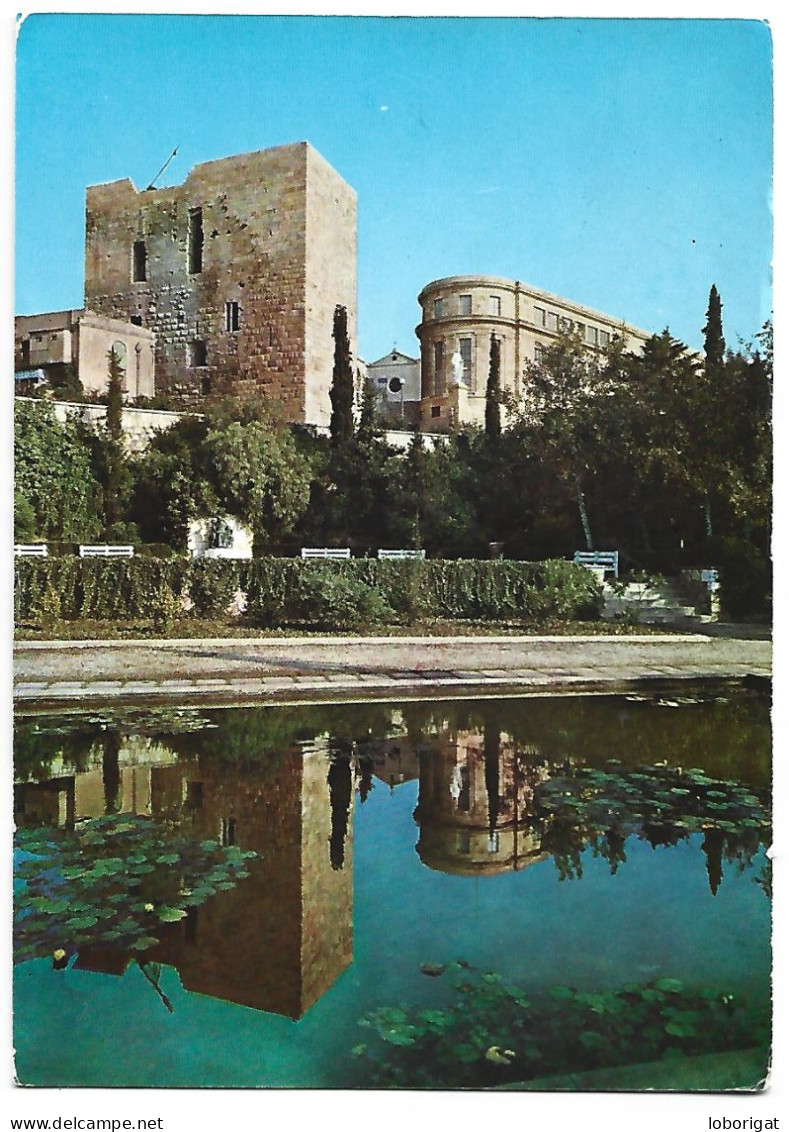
(237, 272)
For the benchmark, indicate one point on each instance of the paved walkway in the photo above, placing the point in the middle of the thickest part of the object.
(345, 668)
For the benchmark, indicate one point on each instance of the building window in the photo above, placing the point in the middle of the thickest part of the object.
(538, 352)
(195, 241)
(464, 304)
(435, 410)
(198, 353)
(438, 369)
(465, 354)
(553, 321)
(566, 323)
(136, 320)
(381, 380)
(591, 335)
(438, 308)
(539, 316)
(118, 351)
(205, 386)
(605, 338)
(139, 262)
(495, 305)
(231, 316)
(25, 350)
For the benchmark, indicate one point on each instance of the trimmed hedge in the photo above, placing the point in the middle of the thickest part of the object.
(288, 590)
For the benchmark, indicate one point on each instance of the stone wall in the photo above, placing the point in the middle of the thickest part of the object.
(139, 425)
(237, 272)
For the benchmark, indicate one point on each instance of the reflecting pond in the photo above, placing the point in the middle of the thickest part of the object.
(454, 893)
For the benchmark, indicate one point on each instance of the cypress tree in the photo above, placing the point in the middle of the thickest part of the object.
(341, 392)
(115, 396)
(714, 344)
(116, 472)
(493, 391)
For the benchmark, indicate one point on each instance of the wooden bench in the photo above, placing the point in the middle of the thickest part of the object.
(401, 554)
(31, 550)
(607, 560)
(325, 552)
(106, 551)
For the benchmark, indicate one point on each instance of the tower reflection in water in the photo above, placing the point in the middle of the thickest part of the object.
(279, 940)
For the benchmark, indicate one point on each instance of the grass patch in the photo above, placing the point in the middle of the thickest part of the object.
(191, 628)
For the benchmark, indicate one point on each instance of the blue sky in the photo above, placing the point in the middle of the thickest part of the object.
(625, 164)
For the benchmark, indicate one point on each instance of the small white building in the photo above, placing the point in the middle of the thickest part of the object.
(396, 379)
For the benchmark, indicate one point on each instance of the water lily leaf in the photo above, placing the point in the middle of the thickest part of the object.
(143, 943)
(80, 923)
(50, 906)
(671, 986)
(171, 915)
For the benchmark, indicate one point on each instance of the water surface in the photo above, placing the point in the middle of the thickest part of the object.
(585, 841)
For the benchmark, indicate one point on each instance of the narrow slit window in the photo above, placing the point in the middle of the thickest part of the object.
(195, 241)
(139, 262)
(231, 316)
(198, 354)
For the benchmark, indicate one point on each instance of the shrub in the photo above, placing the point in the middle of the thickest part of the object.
(329, 599)
(334, 594)
(155, 550)
(212, 587)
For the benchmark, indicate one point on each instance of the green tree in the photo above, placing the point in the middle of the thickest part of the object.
(56, 494)
(173, 483)
(259, 477)
(560, 414)
(493, 391)
(341, 392)
(117, 473)
(714, 342)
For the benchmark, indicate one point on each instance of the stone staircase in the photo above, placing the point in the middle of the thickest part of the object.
(668, 601)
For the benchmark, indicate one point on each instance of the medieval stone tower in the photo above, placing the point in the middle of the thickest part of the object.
(237, 272)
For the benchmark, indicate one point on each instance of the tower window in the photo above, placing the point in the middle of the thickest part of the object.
(231, 316)
(195, 241)
(464, 304)
(139, 262)
(198, 354)
(495, 305)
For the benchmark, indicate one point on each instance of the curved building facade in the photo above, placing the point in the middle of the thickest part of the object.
(459, 315)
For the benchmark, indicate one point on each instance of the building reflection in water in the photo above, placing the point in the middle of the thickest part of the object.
(476, 788)
(279, 940)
